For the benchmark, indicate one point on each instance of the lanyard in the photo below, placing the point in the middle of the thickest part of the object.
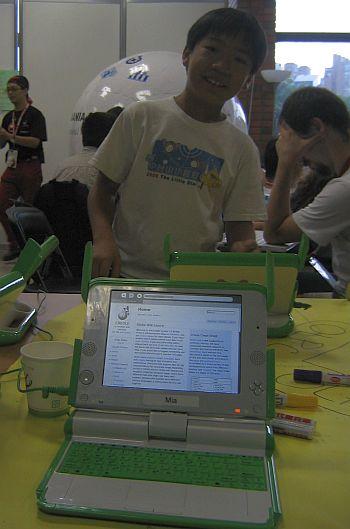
(15, 128)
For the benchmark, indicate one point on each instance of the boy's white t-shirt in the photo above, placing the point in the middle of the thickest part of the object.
(179, 176)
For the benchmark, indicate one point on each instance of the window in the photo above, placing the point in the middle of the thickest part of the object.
(313, 42)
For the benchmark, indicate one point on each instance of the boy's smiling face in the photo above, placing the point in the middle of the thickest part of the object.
(217, 68)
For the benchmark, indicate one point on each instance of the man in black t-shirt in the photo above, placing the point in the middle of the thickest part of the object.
(24, 130)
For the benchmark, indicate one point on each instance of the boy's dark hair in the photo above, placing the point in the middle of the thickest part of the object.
(314, 102)
(95, 128)
(230, 22)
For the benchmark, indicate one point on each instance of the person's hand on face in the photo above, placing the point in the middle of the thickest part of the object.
(291, 147)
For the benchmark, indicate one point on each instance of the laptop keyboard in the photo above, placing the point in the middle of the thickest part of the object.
(156, 464)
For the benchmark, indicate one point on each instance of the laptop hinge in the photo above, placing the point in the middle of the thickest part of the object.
(208, 431)
(167, 425)
(235, 433)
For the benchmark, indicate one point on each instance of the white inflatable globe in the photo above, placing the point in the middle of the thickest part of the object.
(149, 75)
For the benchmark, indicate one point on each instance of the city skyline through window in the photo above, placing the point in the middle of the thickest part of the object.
(318, 56)
(313, 42)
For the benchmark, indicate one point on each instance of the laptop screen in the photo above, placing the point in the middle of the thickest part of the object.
(173, 341)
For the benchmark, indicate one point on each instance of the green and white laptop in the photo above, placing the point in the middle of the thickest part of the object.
(173, 390)
(16, 318)
(246, 267)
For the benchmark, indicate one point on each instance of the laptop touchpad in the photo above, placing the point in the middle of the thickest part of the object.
(156, 497)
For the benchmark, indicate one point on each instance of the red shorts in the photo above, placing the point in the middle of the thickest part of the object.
(25, 181)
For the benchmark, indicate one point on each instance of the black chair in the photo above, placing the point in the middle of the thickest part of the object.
(55, 274)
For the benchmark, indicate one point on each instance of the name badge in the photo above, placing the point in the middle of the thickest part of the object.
(11, 158)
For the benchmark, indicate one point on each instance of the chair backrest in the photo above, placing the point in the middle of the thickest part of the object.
(30, 222)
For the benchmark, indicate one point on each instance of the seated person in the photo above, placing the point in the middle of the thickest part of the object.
(64, 198)
(115, 111)
(94, 129)
(315, 125)
(65, 206)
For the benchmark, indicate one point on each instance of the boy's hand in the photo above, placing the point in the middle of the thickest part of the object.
(240, 236)
(291, 147)
(106, 259)
(249, 245)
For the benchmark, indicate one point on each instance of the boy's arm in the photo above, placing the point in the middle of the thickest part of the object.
(240, 236)
(280, 226)
(101, 206)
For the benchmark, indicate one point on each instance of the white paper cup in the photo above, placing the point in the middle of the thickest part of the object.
(46, 364)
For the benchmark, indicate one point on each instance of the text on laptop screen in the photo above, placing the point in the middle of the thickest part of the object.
(173, 341)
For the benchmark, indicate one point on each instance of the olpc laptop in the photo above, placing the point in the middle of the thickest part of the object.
(246, 267)
(16, 318)
(173, 390)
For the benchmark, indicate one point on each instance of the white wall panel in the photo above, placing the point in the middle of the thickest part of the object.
(66, 44)
(7, 14)
(6, 35)
(162, 26)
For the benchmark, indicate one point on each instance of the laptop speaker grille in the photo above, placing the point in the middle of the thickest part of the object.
(258, 358)
(89, 348)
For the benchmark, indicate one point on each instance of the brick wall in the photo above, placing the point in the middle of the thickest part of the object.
(263, 93)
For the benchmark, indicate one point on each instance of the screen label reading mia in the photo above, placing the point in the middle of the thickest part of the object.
(172, 341)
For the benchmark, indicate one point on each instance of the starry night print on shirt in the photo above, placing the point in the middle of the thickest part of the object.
(176, 163)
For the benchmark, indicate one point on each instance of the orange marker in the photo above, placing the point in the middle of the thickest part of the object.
(292, 400)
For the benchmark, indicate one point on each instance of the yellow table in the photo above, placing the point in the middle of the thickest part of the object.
(313, 475)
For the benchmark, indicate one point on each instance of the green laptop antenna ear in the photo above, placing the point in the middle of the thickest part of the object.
(33, 255)
(303, 250)
(49, 246)
(167, 250)
(87, 269)
(270, 279)
(347, 291)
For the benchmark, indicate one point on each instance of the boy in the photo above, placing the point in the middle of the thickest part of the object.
(315, 125)
(179, 166)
